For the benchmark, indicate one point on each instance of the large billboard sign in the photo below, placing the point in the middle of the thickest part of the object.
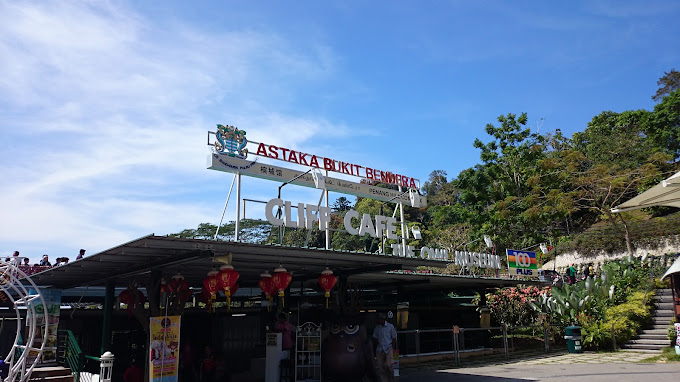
(281, 174)
(522, 263)
(232, 142)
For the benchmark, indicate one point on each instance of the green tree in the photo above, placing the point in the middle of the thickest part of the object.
(341, 204)
(667, 84)
(664, 127)
(616, 139)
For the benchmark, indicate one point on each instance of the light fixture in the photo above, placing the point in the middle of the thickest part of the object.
(488, 241)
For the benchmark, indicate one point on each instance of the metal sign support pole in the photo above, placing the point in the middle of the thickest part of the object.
(237, 226)
(328, 231)
(226, 203)
(404, 233)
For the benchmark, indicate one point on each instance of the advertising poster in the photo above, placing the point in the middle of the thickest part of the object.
(164, 349)
(522, 263)
(50, 319)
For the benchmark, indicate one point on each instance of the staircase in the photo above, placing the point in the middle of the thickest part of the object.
(655, 338)
(52, 374)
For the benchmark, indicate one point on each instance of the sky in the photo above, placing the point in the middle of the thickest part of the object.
(105, 106)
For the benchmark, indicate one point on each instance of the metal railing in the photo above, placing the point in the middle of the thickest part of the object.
(468, 341)
(74, 357)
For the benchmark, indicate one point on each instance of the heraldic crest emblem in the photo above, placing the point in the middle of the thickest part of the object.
(231, 141)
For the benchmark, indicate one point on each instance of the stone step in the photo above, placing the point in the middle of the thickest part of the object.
(651, 351)
(664, 313)
(50, 371)
(52, 374)
(648, 342)
(662, 306)
(658, 299)
(656, 337)
(663, 327)
(57, 378)
(655, 331)
(645, 346)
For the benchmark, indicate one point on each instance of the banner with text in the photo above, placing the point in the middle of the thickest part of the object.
(164, 349)
(50, 318)
(522, 263)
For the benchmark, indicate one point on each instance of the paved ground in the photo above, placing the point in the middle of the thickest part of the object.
(589, 366)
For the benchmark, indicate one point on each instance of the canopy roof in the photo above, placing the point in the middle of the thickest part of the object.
(675, 268)
(193, 258)
(666, 193)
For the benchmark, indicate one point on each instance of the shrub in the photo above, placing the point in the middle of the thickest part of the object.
(624, 320)
(510, 306)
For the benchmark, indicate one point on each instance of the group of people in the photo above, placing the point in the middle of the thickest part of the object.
(17, 260)
(24, 262)
(572, 272)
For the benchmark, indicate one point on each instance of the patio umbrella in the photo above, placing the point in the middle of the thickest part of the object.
(675, 268)
(666, 193)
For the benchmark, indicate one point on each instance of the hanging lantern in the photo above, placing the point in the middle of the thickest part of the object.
(226, 278)
(179, 287)
(211, 287)
(327, 282)
(128, 297)
(281, 280)
(267, 285)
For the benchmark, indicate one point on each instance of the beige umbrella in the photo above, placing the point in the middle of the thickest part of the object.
(666, 193)
(675, 268)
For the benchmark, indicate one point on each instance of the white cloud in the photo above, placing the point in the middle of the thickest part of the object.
(107, 114)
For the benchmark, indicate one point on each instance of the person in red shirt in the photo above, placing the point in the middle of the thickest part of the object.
(133, 373)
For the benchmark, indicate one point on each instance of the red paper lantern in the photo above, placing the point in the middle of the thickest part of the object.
(211, 287)
(281, 280)
(127, 297)
(327, 282)
(267, 285)
(179, 287)
(226, 280)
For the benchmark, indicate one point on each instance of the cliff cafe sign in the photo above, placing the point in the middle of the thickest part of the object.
(378, 226)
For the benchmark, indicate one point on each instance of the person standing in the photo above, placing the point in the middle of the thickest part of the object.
(571, 272)
(386, 337)
(81, 254)
(45, 262)
(286, 329)
(133, 373)
(15, 258)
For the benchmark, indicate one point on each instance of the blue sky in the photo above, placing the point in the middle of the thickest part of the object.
(105, 106)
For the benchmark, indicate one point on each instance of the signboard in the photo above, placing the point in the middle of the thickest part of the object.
(522, 263)
(232, 142)
(281, 174)
(52, 299)
(164, 348)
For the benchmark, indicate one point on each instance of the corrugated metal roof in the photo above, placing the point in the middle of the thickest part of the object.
(193, 258)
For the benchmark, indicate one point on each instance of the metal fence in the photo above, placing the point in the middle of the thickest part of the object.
(469, 342)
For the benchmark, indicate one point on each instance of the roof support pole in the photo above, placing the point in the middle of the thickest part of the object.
(109, 299)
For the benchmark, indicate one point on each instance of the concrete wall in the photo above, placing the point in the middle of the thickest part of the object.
(662, 246)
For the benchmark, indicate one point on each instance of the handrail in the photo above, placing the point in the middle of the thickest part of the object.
(73, 355)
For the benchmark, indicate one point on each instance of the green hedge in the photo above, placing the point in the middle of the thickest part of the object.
(624, 319)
